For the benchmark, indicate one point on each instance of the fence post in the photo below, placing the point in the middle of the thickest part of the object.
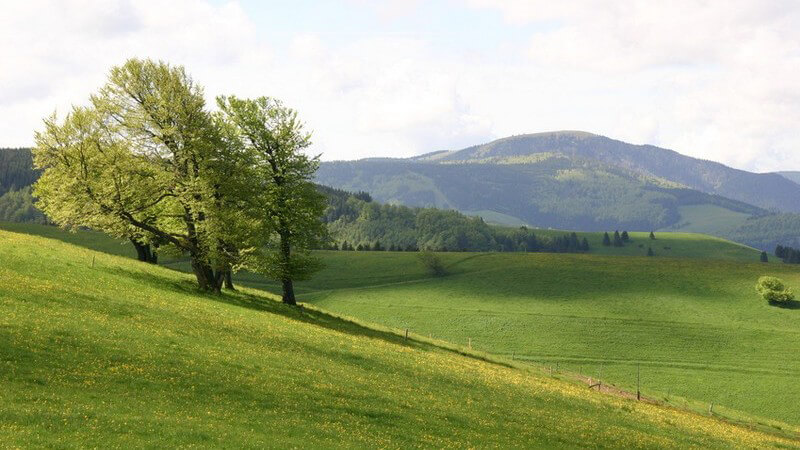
(638, 391)
(406, 333)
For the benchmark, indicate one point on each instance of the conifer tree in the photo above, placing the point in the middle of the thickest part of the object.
(617, 239)
(764, 257)
(606, 239)
(625, 237)
(585, 245)
(650, 251)
(652, 235)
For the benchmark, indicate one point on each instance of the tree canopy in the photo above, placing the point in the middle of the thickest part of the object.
(146, 161)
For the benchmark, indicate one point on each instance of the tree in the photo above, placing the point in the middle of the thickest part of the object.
(147, 162)
(779, 251)
(432, 263)
(606, 239)
(288, 201)
(650, 251)
(652, 235)
(764, 257)
(617, 239)
(773, 290)
(585, 245)
(625, 237)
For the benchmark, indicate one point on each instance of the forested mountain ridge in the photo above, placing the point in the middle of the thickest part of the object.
(543, 190)
(766, 190)
(582, 181)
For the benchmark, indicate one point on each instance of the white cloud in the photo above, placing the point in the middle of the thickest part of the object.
(714, 79)
(709, 78)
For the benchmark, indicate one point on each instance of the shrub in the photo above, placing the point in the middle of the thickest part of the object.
(773, 290)
(432, 263)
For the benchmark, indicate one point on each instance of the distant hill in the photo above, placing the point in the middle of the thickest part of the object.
(791, 175)
(575, 180)
(770, 191)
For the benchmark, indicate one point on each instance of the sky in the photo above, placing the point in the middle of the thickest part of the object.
(713, 79)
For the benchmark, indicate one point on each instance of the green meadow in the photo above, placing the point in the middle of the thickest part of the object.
(98, 350)
(692, 326)
(695, 330)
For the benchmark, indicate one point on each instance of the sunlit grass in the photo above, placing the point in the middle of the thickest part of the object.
(102, 351)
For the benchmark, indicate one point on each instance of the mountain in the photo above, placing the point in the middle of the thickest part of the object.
(791, 175)
(577, 180)
(548, 180)
(769, 191)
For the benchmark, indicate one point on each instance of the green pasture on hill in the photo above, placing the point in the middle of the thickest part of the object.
(694, 326)
(102, 351)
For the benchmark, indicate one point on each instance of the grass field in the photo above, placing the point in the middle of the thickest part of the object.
(696, 328)
(124, 354)
(693, 325)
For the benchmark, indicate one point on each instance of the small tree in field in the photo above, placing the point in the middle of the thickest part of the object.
(433, 263)
(606, 240)
(652, 235)
(773, 290)
(764, 257)
(650, 251)
(625, 236)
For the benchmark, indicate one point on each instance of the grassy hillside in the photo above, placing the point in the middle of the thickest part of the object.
(697, 328)
(121, 353)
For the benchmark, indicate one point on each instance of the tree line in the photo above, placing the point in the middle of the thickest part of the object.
(789, 255)
(146, 160)
(356, 223)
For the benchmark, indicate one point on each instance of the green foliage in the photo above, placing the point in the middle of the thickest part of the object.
(767, 231)
(650, 251)
(606, 239)
(147, 162)
(18, 206)
(764, 257)
(432, 263)
(287, 204)
(773, 290)
(16, 169)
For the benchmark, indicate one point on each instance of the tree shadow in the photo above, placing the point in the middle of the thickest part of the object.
(786, 305)
(262, 303)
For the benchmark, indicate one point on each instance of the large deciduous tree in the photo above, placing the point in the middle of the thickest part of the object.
(290, 205)
(146, 161)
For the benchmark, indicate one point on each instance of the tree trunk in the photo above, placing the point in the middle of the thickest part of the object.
(229, 280)
(144, 252)
(206, 279)
(288, 292)
(286, 280)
